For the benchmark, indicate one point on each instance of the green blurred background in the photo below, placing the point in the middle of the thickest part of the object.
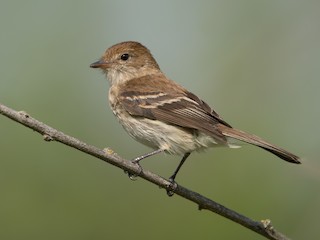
(256, 62)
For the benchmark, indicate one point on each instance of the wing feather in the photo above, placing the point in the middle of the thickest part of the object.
(171, 104)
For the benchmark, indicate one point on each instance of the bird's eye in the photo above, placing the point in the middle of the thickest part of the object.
(124, 57)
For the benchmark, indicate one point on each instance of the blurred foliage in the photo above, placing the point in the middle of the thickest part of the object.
(256, 62)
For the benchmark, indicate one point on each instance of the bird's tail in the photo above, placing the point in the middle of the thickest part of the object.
(257, 141)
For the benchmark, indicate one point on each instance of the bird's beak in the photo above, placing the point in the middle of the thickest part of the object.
(99, 64)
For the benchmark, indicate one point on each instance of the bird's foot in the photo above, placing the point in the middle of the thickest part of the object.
(172, 186)
(134, 176)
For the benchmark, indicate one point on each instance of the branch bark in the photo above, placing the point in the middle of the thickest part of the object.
(263, 227)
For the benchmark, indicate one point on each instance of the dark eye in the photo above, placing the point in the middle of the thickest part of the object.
(124, 57)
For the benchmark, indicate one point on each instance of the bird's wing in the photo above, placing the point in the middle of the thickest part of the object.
(158, 98)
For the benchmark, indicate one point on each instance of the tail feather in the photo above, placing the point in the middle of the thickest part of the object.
(257, 141)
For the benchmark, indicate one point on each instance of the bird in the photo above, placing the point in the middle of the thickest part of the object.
(161, 114)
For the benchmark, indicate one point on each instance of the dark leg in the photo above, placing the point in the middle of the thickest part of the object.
(185, 156)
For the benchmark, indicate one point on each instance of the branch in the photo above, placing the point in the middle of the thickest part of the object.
(262, 227)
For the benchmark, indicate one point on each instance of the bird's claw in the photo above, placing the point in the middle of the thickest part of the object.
(171, 187)
(134, 176)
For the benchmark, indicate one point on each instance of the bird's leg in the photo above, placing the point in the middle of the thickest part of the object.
(185, 156)
(172, 178)
(138, 159)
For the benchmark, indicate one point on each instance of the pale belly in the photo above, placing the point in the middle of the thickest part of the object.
(159, 135)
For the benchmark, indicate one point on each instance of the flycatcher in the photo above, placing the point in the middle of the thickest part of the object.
(163, 115)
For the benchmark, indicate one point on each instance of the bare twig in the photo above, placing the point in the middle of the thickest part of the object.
(262, 227)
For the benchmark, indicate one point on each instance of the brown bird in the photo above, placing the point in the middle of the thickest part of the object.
(161, 114)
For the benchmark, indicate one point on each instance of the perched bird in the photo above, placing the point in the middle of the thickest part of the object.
(163, 115)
